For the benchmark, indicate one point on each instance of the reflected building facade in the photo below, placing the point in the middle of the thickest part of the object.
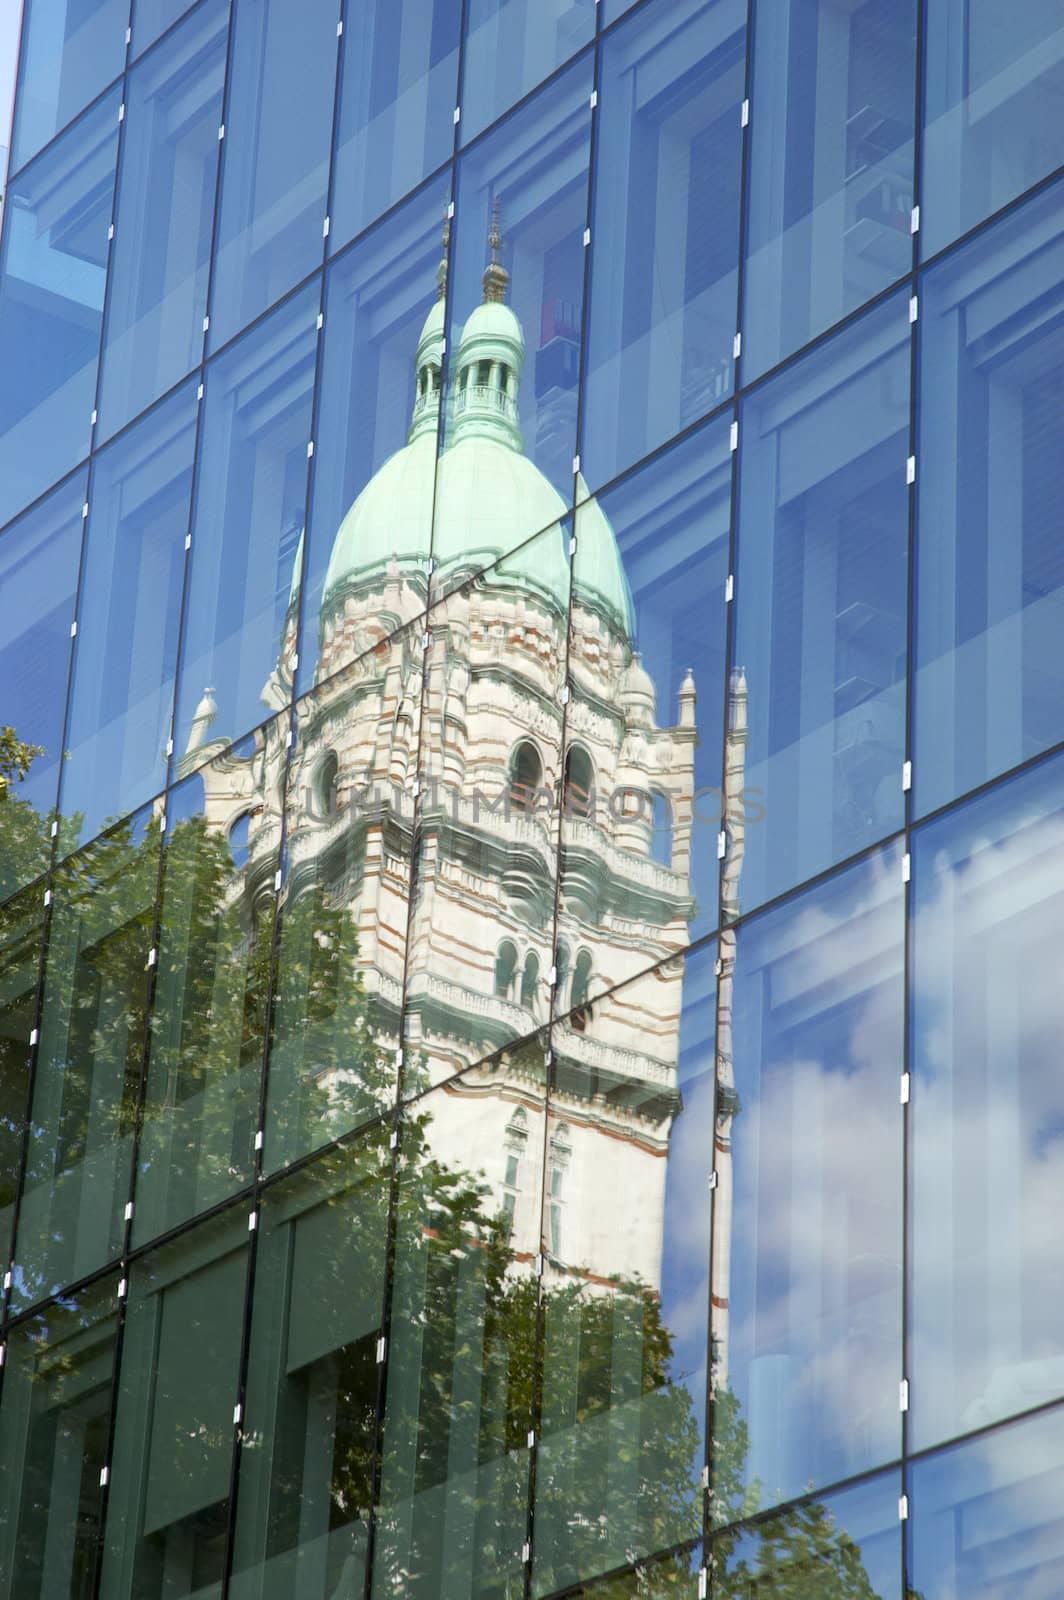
(530, 793)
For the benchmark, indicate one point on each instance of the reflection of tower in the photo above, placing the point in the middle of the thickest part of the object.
(493, 744)
(727, 1102)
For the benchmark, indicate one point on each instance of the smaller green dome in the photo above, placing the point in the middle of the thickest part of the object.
(390, 521)
(601, 581)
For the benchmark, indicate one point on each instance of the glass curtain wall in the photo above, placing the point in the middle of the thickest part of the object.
(531, 751)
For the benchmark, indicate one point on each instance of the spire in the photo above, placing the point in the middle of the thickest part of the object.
(496, 277)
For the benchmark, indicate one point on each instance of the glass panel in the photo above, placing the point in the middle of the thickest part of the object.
(454, 1491)
(990, 561)
(165, 211)
(643, 797)
(988, 1517)
(482, 917)
(809, 1136)
(673, 1577)
(846, 1544)
(129, 614)
(831, 166)
(821, 605)
(398, 91)
(306, 1466)
(208, 1034)
(988, 1102)
(375, 450)
(338, 989)
(625, 1296)
(21, 930)
(53, 1443)
(79, 1162)
(511, 45)
(515, 327)
(171, 1459)
(71, 49)
(247, 529)
(51, 305)
(38, 583)
(665, 228)
(275, 161)
(994, 79)
(152, 18)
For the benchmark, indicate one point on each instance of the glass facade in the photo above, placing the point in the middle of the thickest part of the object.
(531, 779)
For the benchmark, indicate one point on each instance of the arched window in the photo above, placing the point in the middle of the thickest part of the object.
(561, 1152)
(505, 967)
(325, 784)
(239, 833)
(530, 980)
(581, 979)
(526, 775)
(515, 1142)
(579, 782)
(561, 961)
(661, 829)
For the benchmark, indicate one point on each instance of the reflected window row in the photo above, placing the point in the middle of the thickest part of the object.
(136, 248)
(753, 1326)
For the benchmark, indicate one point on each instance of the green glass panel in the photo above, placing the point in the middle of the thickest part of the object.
(89, 1061)
(21, 922)
(171, 1460)
(53, 1444)
(208, 1020)
(625, 1288)
(305, 1484)
(452, 1518)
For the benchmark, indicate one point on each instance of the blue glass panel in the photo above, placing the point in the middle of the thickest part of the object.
(647, 637)
(842, 1544)
(208, 1026)
(989, 689)
(129, 611)
(665, 228)
(372, 400)
(51, 305)
(993, 84)
(511, 45)
(821, 603)
(71, 49)
(54, 1429)
(807, 1305)
(625, 1302)
(831, 166)
(80, 1153)
(38, 581)
(988, 1107)
(275, 163)
(513, 343)
(172, 1448)
(247, 526)
(987, 1519)
(398, 90)
(165, 211)
(153, 17)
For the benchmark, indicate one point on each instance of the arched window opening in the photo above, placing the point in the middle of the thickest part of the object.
(526, 775)
(515, 1143)
(561, 1151)
(581, 979)
(579, 782)
(483, 374)
(561, 961)
(661, 829)
(326, 785)
(239, 838)
(530, 980)
(505, 967)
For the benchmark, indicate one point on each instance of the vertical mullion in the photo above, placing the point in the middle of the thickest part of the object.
(920, 19)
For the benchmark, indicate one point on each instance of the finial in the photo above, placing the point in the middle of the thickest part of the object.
(496, 277)
(441, 270)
